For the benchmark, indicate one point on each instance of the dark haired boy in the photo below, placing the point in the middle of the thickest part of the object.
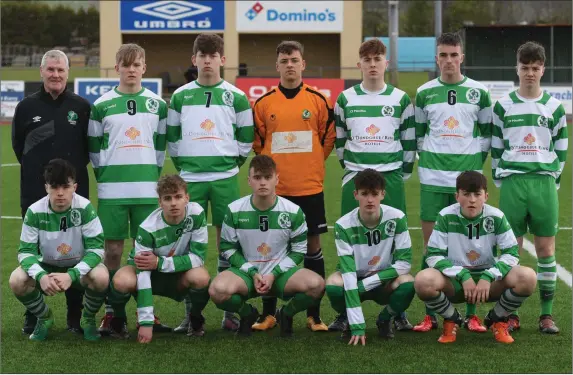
(463, 266)
(529, 148)
(374, 259)
(61, 247)
(453, 134)
(209, 136)
(264, 240)
(167, 260)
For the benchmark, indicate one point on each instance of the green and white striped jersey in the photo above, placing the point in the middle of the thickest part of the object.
(126, 136)
(71, 239)
(210, 131)
(453, 131)
(375, 130)
(179, 247)
(367, 257)
(264, 242)
(460, 246)
(529, 136)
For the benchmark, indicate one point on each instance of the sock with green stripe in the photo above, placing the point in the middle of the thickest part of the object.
(336, 297)
(546, 280)
(93, 302)
(34, 302)
(117, 301)
(429, 311)
(299, 302)
(108, 304)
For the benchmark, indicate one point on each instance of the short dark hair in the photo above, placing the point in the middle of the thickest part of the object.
(531, 52)
(289, 46)
(450, 39)
(369, 179)
(471, 181)
(263, 164)
(170, 184)
(209, 44)
(59, 172)
(372, 47)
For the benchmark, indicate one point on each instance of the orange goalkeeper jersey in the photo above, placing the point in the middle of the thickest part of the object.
(299, 134)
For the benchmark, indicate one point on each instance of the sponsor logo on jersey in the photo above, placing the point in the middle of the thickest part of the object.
(228, 98)
(529, 139)
(374, 261)
(152, 105)
(488, 224)
(372, 129)
(207, 125)
(284, 220)
(132, 133)
(306, 114)
(543, 121)
(264, 249)
(290, 137)
(451, 123)
(473, 255)
(387, 111)
(390, 228)
(473, 96)
(75, 217)
(72, 117)
(64, 249)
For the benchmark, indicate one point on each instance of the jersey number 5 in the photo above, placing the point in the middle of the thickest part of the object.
(264, 223)
(452, 97)
(374, 237)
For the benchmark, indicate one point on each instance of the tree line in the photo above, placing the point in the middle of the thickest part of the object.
(38, 24)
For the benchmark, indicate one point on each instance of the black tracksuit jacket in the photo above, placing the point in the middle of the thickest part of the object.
(44, 129)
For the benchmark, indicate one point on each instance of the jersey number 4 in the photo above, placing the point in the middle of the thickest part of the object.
(64, 223)
(374, 237)
(452, 100)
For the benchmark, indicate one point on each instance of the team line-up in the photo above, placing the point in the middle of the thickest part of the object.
(471, 249)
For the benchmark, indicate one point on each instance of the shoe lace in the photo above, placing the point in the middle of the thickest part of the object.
(501, 328)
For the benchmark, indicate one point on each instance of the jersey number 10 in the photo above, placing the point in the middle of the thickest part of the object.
(374, 237)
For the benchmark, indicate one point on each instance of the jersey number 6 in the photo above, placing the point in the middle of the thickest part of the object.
(452, 97)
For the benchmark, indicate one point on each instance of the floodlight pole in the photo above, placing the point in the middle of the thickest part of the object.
(393, 35)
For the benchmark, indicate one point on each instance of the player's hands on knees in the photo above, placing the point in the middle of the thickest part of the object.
(63, 280)
(469, 290)
(146, 261)
(355, 339)
(482, 291)
(49, 285)
(268, 281)
(258, 279)
(145, 334)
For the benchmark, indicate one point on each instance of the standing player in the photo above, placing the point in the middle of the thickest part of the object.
(374, 129)
(453, 134)
(167, 260)
(374, 259)
(294, 125)
(264, 239)
(462, 256)
(127, 150)
(210, 135)
(61, 246)
(529, 148)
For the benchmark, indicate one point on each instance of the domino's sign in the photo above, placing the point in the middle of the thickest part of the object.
(154, 16)
(92, 88)
(293, 16)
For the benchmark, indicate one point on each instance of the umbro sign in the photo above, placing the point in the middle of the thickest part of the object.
(152, 16)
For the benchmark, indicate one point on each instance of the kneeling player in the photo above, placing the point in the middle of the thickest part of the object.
(167, 261)
(461, 253)
(64, 230)
(374, 250)
(264, 239)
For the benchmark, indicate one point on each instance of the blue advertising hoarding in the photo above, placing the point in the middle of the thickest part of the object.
(92, 88)
(12, 92)
(161, 16)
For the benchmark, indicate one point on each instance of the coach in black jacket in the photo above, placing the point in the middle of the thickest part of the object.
(51, 123)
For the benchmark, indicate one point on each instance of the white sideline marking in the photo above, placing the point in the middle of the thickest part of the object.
(10, 165)
(562, 273)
